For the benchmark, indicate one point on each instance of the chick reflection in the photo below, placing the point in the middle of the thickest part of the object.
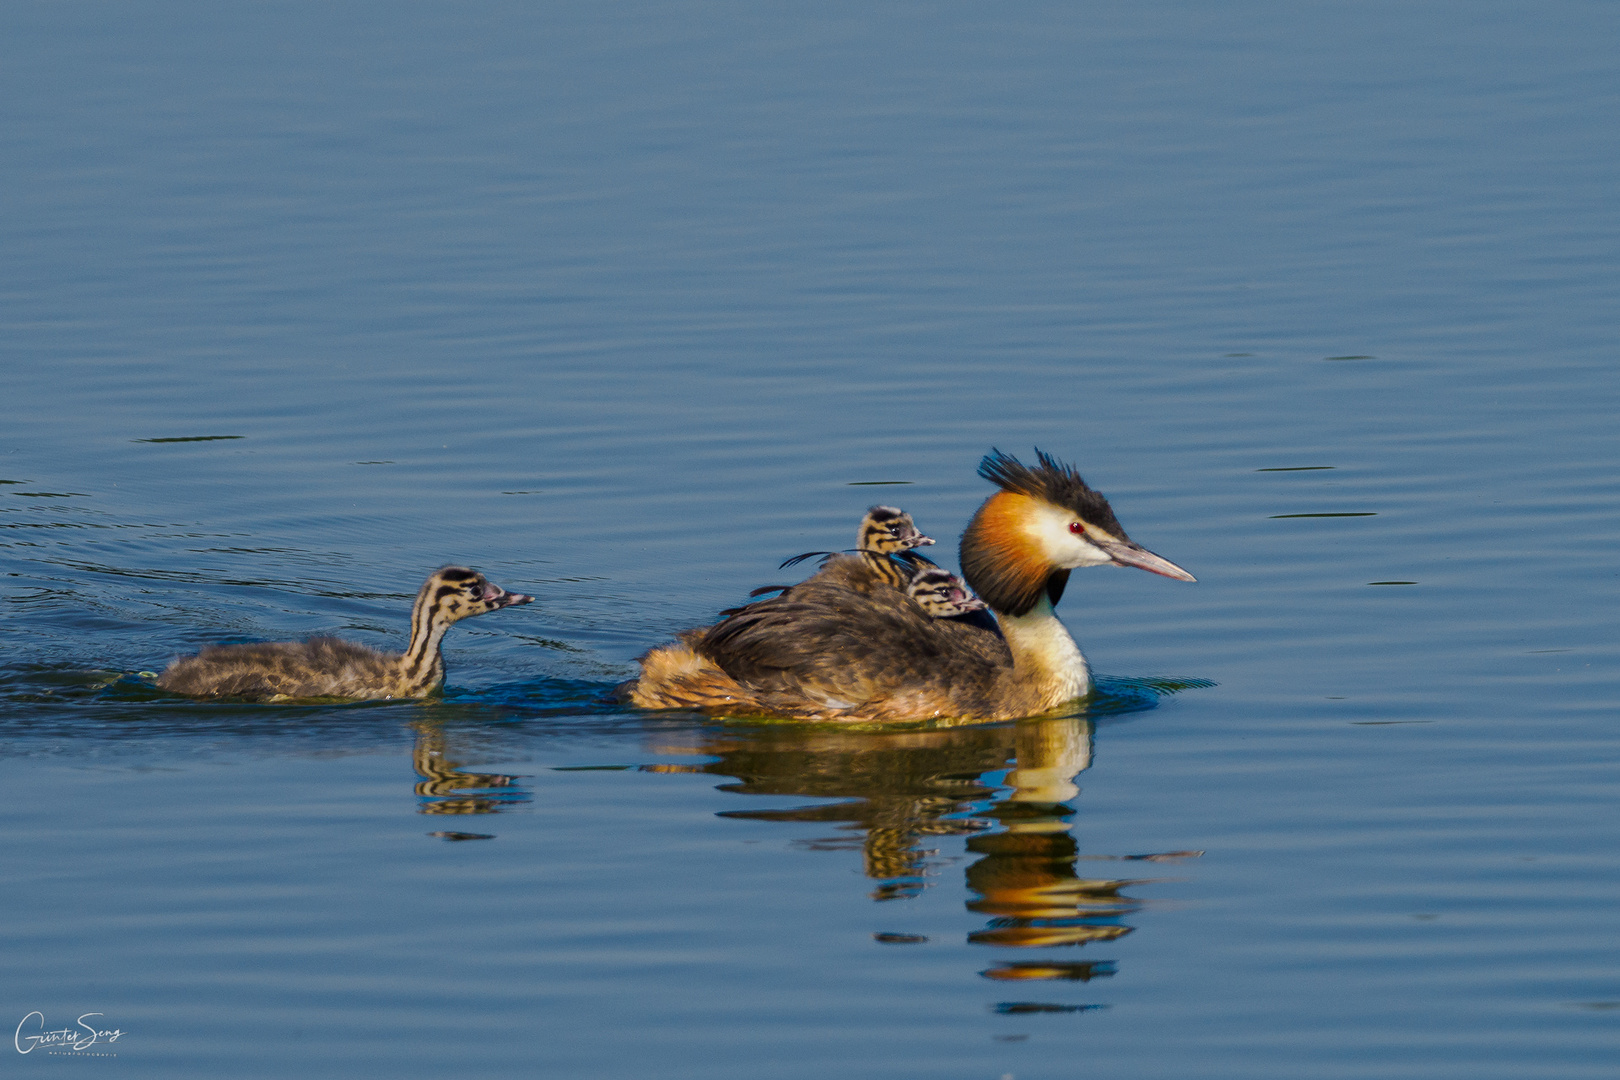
(445, 789)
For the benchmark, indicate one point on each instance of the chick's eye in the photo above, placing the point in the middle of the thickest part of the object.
(1077, 528)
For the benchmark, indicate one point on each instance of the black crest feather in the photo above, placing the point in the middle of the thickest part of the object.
(1054, 481)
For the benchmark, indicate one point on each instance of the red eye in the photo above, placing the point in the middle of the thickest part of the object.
(1077, 528)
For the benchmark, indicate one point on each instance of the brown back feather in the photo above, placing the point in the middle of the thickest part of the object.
(847, 640)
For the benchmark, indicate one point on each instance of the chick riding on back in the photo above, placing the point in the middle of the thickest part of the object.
(845, 644)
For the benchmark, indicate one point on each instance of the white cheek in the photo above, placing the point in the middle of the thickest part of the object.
(1087, 554)
(1049, 528)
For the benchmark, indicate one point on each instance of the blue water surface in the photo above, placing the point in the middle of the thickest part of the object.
(624, 303)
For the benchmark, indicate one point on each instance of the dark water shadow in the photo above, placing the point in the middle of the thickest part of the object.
(59, 710)
(43, 702)
(889, 797)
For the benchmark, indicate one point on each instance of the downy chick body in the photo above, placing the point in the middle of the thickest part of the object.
(884, 541)
(331, 667)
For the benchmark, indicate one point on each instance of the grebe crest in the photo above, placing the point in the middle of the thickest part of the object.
(1044, 522)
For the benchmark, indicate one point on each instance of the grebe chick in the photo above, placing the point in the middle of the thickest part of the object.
(942, 594)
(888, 530)
(936, 590)
(332, 667)
(841, 646)
(883, 540)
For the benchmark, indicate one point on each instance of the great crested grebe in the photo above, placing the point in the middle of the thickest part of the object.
(842, 645)
(332, 667)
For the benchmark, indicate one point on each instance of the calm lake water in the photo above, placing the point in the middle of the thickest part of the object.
(624, 303)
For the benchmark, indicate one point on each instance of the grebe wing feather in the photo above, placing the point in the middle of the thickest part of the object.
(845, 640)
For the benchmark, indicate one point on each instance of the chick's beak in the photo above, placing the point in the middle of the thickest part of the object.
(497, 597)
(966, 602)
(1128, 553)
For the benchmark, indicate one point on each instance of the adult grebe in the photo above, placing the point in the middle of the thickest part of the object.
(332, 667)
(846, 645)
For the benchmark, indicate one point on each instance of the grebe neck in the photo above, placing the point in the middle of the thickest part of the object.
(1045, 656)
(422, 666)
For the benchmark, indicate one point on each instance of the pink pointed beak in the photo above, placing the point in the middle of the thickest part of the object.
(961, 599)
(1128, 553)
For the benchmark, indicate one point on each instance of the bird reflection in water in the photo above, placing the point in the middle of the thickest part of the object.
(443, 788)
(888, 795)
(1026, 880)
(901, 789)
(897, 790)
